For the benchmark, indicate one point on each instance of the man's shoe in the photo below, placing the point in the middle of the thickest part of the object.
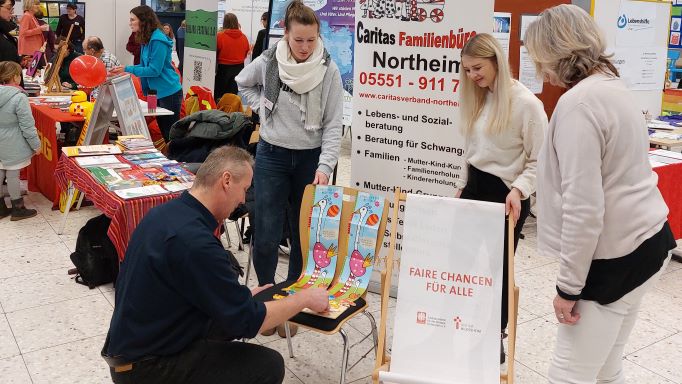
(269, 332)
(293, 329)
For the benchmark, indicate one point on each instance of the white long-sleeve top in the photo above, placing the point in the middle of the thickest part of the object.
(597, 194)
(511, 155)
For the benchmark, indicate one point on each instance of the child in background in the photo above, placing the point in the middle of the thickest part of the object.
(18, 138)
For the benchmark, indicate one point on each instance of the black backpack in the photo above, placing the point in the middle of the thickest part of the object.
(95, 258)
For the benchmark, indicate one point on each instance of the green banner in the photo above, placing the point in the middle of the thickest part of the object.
(201, 30)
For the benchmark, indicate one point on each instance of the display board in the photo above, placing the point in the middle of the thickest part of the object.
(199, 64)
(637, 34)
(406, 97)
(119, 94)
(337, 30)
(447, 316)
(675, 27)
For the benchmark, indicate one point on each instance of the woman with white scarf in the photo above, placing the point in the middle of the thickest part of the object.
(296, 89)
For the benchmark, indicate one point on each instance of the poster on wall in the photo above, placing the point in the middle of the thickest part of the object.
(502, 29)
(675, 27)
(200, 44)
(636, 24)
(638, 57)
(248, 13)
(337, 22)
(450, 290)
(407, 67)
(528, 74)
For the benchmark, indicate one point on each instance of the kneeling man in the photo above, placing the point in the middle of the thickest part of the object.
(179, 304)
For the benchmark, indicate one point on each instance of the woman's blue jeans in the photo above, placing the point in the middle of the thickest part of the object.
(280, 178)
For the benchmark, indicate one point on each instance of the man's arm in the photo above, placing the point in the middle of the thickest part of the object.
(279, 311)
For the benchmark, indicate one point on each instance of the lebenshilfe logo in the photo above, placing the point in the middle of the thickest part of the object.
(623, 22)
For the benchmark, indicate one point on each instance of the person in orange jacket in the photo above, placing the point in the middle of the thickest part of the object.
(232, 47)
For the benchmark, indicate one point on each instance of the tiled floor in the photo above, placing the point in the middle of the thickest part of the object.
(52, 329)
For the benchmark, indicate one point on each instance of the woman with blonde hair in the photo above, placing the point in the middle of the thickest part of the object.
(503, 124)
(600, 212)
(31, 37)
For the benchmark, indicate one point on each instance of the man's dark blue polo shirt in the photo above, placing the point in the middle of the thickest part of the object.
(175, 279)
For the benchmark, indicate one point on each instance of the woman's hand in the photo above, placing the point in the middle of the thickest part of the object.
(117, 70)
(38, 151)
(458, 193)
(565, 311)
(321, 178)
(512, 204)
(45, 27)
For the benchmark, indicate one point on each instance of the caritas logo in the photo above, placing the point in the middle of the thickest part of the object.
(421, 317)
(458, 322)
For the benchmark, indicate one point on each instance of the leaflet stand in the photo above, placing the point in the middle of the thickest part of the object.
(117, 93)
(383, 359)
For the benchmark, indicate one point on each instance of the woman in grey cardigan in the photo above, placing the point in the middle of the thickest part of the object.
(599, 209)
(18, 138)
(296, 89)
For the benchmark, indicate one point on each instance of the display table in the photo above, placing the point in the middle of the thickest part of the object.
(124, 214)
(40, 173)
(670, 185)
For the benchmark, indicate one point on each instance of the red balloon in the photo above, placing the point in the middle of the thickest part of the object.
(88, 71)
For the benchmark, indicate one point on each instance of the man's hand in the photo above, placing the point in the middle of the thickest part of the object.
(321, 178)
(316, 299)
(257, 290)
(564, 311)
(458, 193)
(38, 151)
(512, 204)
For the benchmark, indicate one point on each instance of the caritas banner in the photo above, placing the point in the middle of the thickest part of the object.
(407, 74)
(407, 71)
(447, 322)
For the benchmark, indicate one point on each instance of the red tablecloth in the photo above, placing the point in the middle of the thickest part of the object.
(124, 214)
(41, 171)
(670, 185)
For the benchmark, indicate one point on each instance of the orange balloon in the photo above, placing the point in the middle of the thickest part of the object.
(372, 219)
(333, 211)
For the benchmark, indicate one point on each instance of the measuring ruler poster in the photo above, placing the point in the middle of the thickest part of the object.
(407, 73)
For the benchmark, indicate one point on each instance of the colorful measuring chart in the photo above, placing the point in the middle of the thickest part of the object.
(362, 240)
(324, 224)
